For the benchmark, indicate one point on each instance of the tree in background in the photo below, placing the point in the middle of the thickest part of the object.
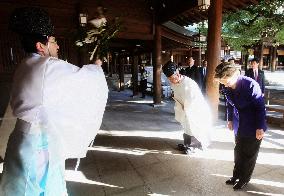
(261, 24)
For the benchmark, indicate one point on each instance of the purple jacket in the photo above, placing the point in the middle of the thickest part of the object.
(246, 107)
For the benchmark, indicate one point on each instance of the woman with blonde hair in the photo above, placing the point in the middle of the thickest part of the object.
(246, 116)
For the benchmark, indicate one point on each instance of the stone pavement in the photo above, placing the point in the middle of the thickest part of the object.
(135, 154)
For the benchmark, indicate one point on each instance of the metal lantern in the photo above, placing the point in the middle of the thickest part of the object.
(83, 19)
(203, 5)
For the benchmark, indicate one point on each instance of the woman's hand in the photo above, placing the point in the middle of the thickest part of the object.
(98, 62)
(230, 125)
(259, 134)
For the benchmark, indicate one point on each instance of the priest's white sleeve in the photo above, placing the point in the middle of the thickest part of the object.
(198, 114)
(74, 100)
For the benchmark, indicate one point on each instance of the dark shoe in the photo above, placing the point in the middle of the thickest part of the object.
(181, 147)
(186, 151)
(189, 151)
(231, 181)
(1, 159)
(239, 185)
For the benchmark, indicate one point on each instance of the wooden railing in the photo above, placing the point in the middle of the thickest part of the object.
(275, 106)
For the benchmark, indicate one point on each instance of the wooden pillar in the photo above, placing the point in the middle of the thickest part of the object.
(270, 58)
(199, 55)
(214, 53)
(274, 55)
(121, 74)
(83, 59)
(115, 63)
(135, 75)
(246, 60)
(172, 56)
(112, 56)
(108, 64)
(157, 66)
(190, 52)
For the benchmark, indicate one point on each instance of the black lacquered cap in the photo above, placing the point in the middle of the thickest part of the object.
(169, 68)
(31, 20)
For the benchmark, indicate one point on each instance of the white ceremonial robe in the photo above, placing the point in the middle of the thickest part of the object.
(192, 110)
(59, 108)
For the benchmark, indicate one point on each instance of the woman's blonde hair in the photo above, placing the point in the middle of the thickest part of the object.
(225, 69)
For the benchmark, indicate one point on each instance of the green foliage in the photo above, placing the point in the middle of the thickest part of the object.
(203, 27)
(280, 36)
(264, 21)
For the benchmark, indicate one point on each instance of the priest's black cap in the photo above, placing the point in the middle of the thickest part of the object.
(31, 21)
(169, 68)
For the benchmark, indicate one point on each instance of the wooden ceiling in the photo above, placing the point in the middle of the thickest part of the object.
(186, 12)
(138, 14)
(137, 17)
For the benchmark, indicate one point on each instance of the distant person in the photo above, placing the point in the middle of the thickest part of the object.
(143, 80)
(192, 71)
(256, 74)
(246, 116)
(231, 61)
(191, 110)
(203, 72)
(180, 69)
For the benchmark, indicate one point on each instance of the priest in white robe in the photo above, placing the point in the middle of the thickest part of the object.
(59, 109)
(191, 110)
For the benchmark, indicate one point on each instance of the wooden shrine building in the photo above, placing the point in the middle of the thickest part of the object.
(148, 28)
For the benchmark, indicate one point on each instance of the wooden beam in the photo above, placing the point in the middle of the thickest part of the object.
(132, 35)
(228, 6)
(173, 9)
(254, 1)
(241, 2)
(172, 35)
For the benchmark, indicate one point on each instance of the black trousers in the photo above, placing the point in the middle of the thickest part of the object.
(245, 155)
(143, 85)
(189, 140)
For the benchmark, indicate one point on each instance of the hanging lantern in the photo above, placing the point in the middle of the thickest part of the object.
(203, 5)
(83, 19)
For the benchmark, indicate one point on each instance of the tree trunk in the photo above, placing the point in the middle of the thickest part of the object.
(273, 61)
(242, 58)
(261, 56)
(246, 60)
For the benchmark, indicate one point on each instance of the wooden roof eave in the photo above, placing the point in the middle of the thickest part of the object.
(177, 37)
(167, 14)
(195, 16)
